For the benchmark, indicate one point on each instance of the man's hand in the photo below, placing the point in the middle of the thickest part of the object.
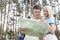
(20, 30)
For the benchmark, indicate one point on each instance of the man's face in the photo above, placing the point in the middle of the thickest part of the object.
(36, 13)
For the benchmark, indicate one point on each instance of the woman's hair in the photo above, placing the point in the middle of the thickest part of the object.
(49, 9)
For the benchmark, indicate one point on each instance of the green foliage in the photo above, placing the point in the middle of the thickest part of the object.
(59, 12)
(1, 4)
(44, 2)
(10, 34)
(57, 34)
(19, 9)
(32, 1)
(15, 1)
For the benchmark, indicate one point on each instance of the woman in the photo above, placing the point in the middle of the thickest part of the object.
(48, 15)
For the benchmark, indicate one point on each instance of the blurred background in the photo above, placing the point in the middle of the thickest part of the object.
(12, 10)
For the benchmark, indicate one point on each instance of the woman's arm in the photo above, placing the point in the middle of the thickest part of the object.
(52, 28)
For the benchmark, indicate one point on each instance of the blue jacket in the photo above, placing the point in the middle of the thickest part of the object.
(21, 36)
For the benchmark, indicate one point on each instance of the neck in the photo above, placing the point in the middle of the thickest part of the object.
(47, 17)
(36, 18)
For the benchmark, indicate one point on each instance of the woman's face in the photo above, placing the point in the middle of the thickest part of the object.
(45, 12)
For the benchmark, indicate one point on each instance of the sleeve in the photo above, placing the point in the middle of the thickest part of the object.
(52, 21)
(24, 35)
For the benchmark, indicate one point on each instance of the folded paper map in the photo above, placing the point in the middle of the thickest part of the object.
(33, 28)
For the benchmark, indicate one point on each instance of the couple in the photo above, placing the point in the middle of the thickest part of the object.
(48, 18)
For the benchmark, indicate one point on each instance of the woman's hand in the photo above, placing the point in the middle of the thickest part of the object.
(43, 21)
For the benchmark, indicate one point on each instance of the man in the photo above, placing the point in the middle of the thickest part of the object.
(36, 17)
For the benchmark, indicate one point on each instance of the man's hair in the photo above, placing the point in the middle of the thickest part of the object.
(37, 7)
